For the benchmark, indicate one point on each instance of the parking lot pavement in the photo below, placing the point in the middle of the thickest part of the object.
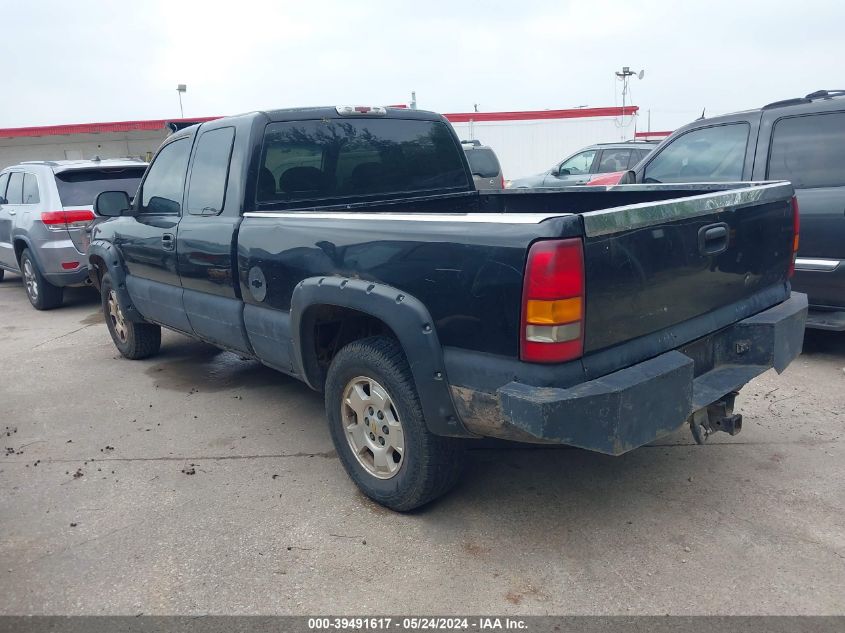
(99, 511)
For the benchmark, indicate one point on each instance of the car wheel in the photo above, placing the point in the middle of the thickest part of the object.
(378, 429)
(2, 274)
(134, 340)
(41, 293)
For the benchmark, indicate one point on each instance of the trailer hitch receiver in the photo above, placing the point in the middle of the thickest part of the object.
(715, 417)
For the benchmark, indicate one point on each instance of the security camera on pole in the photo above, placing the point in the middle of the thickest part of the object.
(180, 88)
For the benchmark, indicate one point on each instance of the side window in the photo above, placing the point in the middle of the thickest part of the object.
(613, 160)
(162, 189)
(30, 189)
(636, 156)
(580, 163)
(14, 194)
(809, 151)
(4, 180)
(711, 154)
(210, 172)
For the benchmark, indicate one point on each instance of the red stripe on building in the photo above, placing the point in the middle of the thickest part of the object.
(461, 117)
(650, 134)
(96, 128)
(533, 115)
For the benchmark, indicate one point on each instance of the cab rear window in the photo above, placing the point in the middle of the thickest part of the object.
(325, 159)
(79, 187)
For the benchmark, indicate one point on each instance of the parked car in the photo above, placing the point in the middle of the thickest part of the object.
(799, 140)
(46, 209)
(577, 169)
(348, 247)
(484, 165)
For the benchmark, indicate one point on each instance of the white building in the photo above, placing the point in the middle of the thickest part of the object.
(532, 141)
(526, 142)
(118, 139)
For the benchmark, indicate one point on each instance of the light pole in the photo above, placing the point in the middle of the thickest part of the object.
(180, 88)
(624, 76)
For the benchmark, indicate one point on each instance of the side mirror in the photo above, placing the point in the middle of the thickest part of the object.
(628, 178)
(111, 204)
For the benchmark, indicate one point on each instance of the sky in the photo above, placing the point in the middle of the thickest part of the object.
(84, 61)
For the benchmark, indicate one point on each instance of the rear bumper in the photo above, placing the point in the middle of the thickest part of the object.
(633, 406)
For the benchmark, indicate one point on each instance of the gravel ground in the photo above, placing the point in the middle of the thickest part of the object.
(195, 482)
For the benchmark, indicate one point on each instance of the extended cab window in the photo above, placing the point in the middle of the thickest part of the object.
(711, 154)
(162, 190)
(210, 172)
(346, 158)
(809, 151)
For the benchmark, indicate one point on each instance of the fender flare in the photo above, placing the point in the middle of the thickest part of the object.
(107, 251)
(23, 237)
(409, 320)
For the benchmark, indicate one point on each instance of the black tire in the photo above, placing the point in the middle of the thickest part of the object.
(430, 464)
(134, 340)
(2, 274)
(41, 293)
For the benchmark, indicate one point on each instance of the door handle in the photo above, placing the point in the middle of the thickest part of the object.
(713, 239)
(168, 242)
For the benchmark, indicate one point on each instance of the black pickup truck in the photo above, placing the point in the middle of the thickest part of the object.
(348, 247)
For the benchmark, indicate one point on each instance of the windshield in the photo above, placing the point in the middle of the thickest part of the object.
(79, 187)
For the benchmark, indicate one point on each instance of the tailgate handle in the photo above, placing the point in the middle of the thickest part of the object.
(713, 239)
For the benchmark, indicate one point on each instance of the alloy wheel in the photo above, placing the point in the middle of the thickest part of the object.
(372, 427)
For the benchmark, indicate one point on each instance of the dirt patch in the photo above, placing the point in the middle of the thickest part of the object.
(475, 550)
(517, 596)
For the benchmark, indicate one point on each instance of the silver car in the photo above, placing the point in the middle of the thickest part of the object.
(46, 210)
(578, 169)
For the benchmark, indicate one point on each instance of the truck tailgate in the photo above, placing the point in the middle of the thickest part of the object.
(651, 266)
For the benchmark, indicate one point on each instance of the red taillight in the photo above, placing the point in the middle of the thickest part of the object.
(552, 324)
(502, 180)
(62, 220)
(796, 229)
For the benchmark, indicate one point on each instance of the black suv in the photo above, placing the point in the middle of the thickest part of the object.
(800, 140)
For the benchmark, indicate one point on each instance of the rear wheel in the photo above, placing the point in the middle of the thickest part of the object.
(2, 274)
(41, 293)
(378, 429)
(134, 340)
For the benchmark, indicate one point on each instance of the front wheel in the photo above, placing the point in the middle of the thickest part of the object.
(41, 293)
(378, 429)
(134, 340)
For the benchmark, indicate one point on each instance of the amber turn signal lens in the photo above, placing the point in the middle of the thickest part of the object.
(539, 312)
